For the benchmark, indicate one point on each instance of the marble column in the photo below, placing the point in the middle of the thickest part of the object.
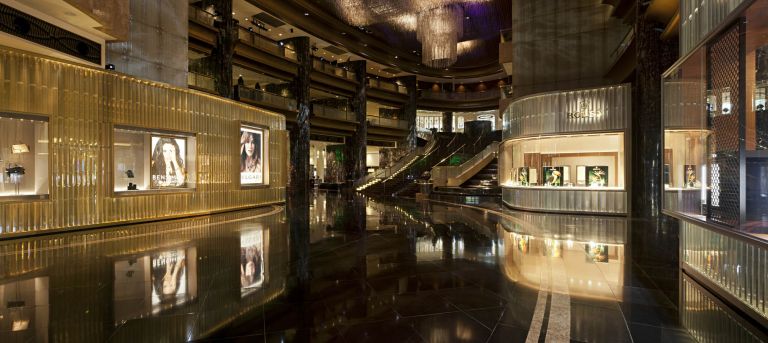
(220, 60)
(447, 121)
(356, 166)
(409, 110)
(653, 57)
(299, 133)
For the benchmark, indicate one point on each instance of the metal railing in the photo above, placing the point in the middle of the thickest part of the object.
(260, 96)
(328, 68)
(441, 174)
(388, 122)
(332, 112)
(200, 16)
(493, 93)
(387, 85)
(401, 164)
(200, 81)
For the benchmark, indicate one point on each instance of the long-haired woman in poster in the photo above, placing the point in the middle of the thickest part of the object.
(167, 270)
(167, 164)
(250, 153)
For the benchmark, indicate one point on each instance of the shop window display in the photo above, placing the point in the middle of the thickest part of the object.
(716, 128)
(23, 156)
(147, 160)
(578, 161)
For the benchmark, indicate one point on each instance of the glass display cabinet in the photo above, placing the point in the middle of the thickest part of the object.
(565, 151)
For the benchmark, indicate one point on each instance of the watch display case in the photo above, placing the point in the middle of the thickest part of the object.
(715, 129)
(23, 156)
(570, 161)
(565, 151)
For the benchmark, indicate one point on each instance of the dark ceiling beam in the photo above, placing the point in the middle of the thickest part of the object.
(327, 27)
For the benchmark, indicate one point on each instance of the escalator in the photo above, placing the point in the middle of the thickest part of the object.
(445, 145)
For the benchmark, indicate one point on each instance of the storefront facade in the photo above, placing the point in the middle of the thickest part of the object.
(716, 149)
(82, 147)
(565, 151)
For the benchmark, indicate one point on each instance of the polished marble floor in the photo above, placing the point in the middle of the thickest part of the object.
(348, 269)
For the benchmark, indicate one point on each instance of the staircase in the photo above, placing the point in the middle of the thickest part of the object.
(486, 177)
(445, 145)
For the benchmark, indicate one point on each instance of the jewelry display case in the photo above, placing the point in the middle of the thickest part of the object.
(565, 151)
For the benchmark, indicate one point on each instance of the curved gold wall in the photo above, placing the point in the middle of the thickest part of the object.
(83, 105)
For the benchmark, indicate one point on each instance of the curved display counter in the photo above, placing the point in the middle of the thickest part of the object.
(565, 151)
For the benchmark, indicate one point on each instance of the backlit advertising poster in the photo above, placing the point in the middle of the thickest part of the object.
(168, 166)
(251, 156)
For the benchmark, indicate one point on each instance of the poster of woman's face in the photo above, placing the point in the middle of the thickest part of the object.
(251, 153)
(169, 279)
(168, 168)
(251, 260)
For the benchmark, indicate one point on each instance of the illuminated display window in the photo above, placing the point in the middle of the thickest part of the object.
(23, 156)
(146, 160)
(586, 161)
(716, 129)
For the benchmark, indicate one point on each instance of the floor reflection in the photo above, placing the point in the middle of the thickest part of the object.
(351, 268)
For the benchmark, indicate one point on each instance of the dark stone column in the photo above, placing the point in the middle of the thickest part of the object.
(356, 167)
(220, 61)
(409, 110)
(653, 57)
(447, 121)
(299, 133)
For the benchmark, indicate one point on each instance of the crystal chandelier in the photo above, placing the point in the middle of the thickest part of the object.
(439, 30)
(438, 24)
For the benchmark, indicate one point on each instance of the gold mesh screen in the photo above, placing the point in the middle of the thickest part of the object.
(84, 104)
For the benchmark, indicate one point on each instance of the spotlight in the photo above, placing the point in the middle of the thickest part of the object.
(109, 66)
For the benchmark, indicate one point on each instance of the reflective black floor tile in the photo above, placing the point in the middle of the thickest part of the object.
(470, 298)
(648, 333)
(388, 331)
(488, 317)
(450, 327)
(418, 304)
(643, 296)
(650, 315)
(508, 334)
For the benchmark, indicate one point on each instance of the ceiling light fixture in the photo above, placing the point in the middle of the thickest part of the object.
(439, 30)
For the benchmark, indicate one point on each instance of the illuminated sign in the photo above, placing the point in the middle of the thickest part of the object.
(584, 112)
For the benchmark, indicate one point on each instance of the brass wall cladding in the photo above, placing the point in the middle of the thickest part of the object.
(597, 109)
(83, 105)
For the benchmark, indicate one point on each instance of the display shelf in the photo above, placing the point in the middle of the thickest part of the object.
(565, 188)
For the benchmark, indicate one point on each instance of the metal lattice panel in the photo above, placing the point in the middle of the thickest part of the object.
(724, 57)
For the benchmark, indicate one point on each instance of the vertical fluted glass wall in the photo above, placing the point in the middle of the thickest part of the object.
(83, 105)
(708, 320)
(700, 17)
(737, 265)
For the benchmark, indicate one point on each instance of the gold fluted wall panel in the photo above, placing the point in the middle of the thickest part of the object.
(84, 104)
